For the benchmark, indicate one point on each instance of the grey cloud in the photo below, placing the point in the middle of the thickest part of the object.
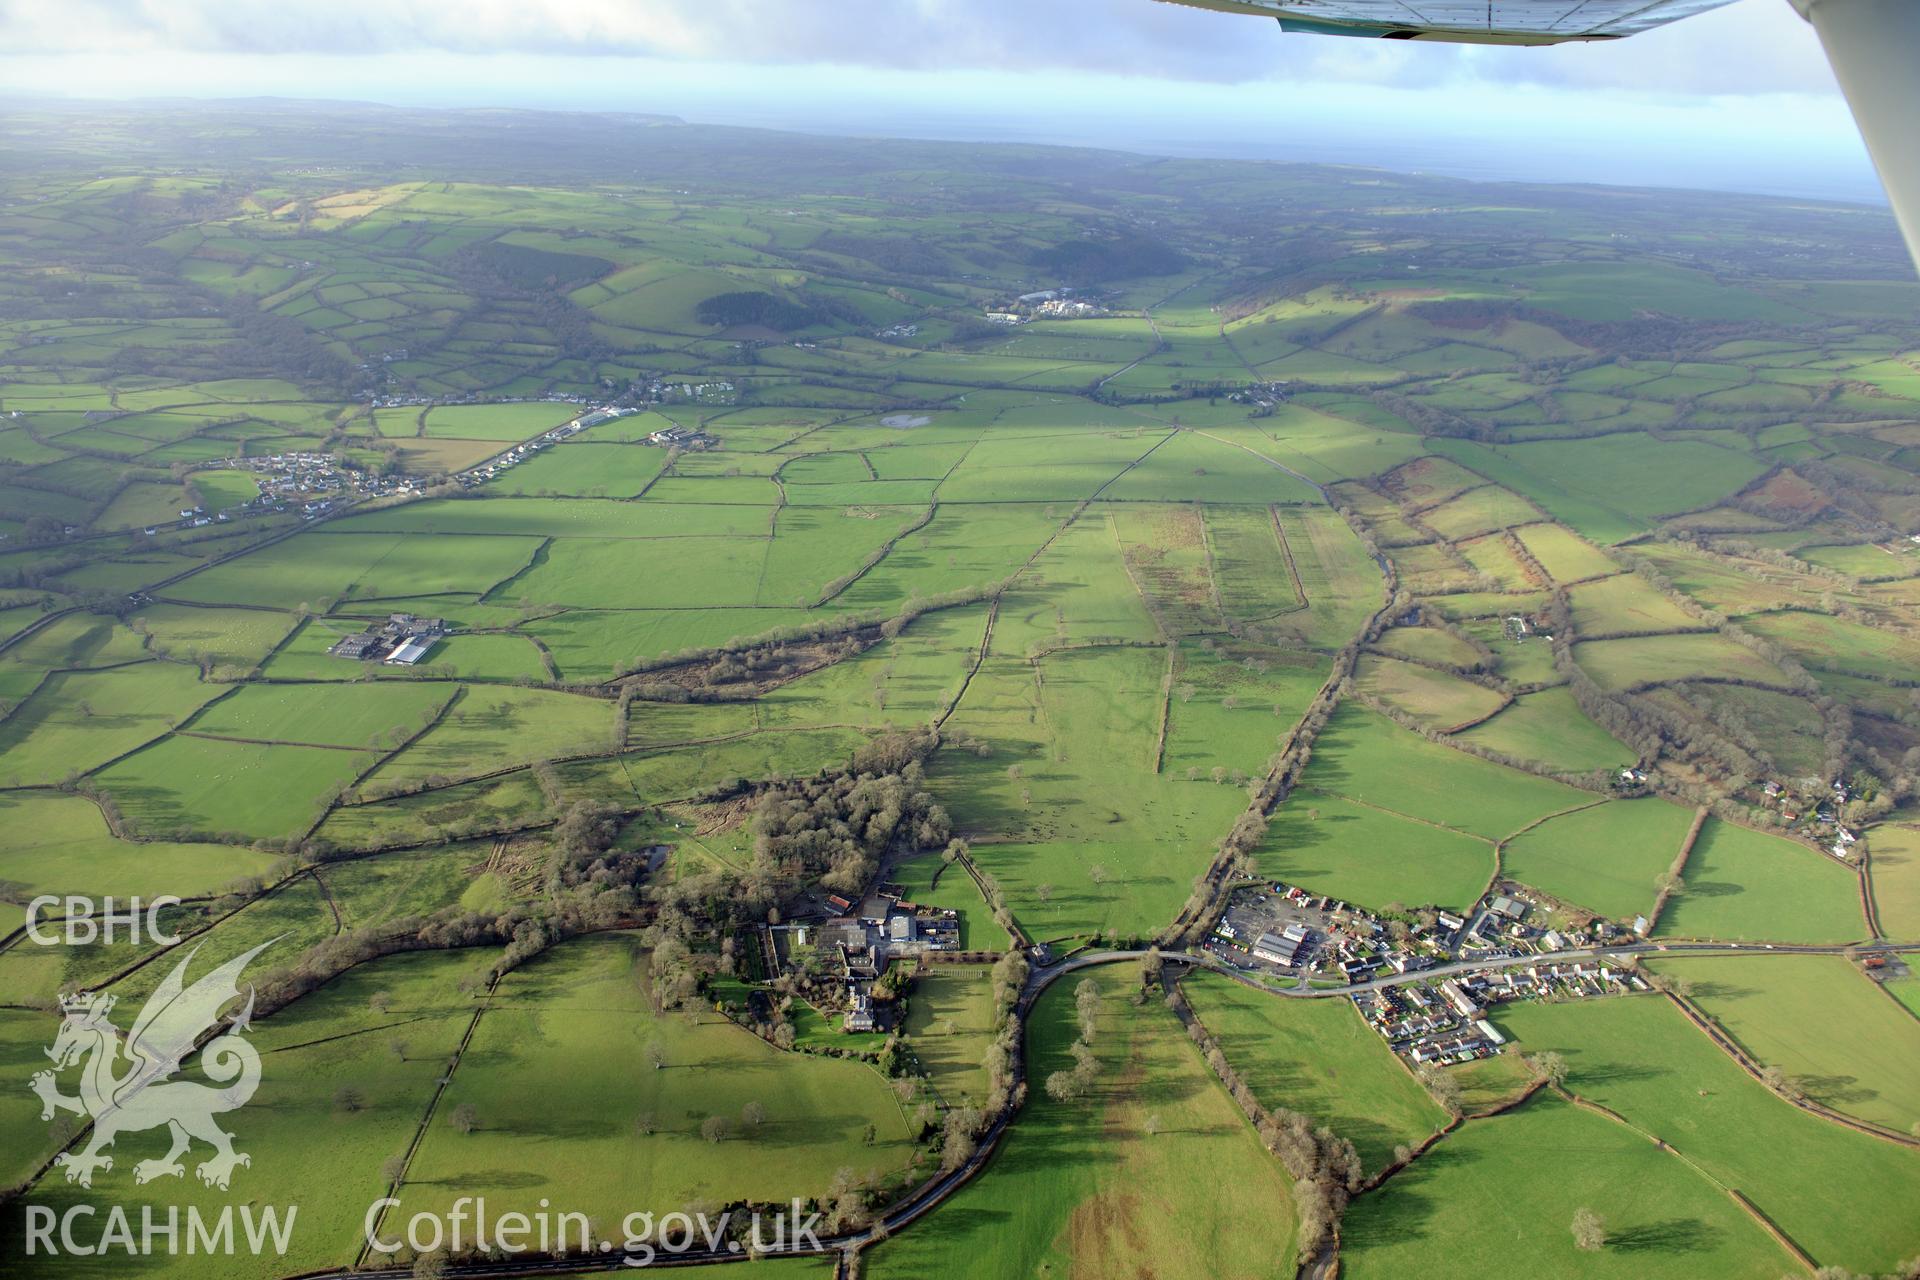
(1756, 45)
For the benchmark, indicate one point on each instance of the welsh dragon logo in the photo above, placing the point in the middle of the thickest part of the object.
(126, 1087)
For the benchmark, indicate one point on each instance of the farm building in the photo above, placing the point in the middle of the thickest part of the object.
(401, 640)
(1275, 949)
(411, 651)
(356, 646)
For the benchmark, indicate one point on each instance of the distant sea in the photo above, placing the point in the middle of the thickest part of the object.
(1790, 168)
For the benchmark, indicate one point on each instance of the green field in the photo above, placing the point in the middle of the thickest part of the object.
(78, 721)
(1372, 856)
(950, 1022)
(496, 421)
(318, 715)
(1746, 885)
(1626, 664)
(1319, 1058)
(1819, 1020)
(1610, 487)
(585, 470)
(62, 844)
(1564, 555)
(230, 790)
(1084, 1183)
(1501, 1189)
(236, 637)
(305, 1148)
(1605, 858)
(1428, 644)
(1209, 571)
(1437, 698)
(1368, 758)
(1624, 604)
(579, 1012)
(1895, 868)
(1081, 833)
(491, 727)
(1837, 645)
(1228, 706)
(1641, 1058)
(1549, 729)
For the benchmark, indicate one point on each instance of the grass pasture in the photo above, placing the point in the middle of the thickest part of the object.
(77, 721)
(1371, 856)
(584, 469)
(1549, 728)
(1479, 511)
(490, 727)
(360, 715)
(1565, 555)
(1820, 1020)
(1895, 868)
(1745, 885)
(1427, 644)
(1083, 1183)
(1320, 1058)
(1498, 1187)
(578, 1010)
(950, 1024)
(1230, 706)
(1624, 605)
(503, 422)
(1440, 699)
(1834, 644)
(229, 637)
(305, 1148)
(1065, 810)
(1640, 1057)
(61, 844)
(1342, 584)
(1605, 858)
(1368, 758)
(214, 786)
(1251, 569)
(1650, 660)
(1611, 487)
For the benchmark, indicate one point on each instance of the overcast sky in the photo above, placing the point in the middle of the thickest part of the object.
(1739, 98)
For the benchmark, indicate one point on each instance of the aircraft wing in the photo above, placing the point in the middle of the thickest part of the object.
(1874, 46)
(1468, 21)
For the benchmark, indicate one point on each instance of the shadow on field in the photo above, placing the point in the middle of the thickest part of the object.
(1403, 1209)
(1834, 1090)
(1671, 1235)
(491, 1179)
(1613, 1071)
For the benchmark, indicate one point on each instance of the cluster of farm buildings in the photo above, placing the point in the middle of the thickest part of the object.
(401, 641)
(683, 438)
(853, 947)
(1048, 304)
(526, 449)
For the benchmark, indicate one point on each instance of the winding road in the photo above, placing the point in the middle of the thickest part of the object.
(931, 1194)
